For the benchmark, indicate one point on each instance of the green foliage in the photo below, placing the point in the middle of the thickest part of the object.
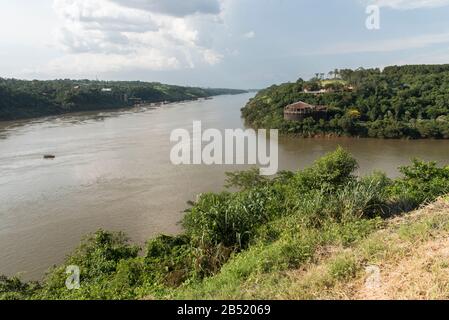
(343, 268)
(26, 99)
(422, 182)
(169, 260)
(244, 180)
(231, 218)
(100, 254)
(98, 257)
(329, 173)
(398, 102)
(14, 289)
(296, 246)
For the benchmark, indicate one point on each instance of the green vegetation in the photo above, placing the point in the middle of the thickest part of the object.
(239, 244)
(398, 102)
(26, 99)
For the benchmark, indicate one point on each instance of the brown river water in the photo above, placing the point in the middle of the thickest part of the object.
(112, 171)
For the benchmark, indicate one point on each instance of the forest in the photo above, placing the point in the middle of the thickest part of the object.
(28, 99)
(397, 102)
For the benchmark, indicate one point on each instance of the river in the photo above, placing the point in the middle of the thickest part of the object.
(112, 171)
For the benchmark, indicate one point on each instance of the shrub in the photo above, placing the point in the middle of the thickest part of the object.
(343, 268)
(14, 289)
(231, 219)
(168, 260)
(98, 257)
(244, 180)
(100, 253)
(334, 170)
(421, 182)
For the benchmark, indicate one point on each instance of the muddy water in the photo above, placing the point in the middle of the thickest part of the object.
(112, 171)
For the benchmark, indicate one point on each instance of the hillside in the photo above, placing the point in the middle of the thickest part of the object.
(26, 99)
(397, 102)
(407, 259)
(303, 235)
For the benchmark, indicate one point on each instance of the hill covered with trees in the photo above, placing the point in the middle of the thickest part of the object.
(396, 102)
(27, 99)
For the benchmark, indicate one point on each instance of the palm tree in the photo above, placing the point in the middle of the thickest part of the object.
(336, 73)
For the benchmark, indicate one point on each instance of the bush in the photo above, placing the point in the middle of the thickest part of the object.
(231, 219)
(169, 260)
(244, 180)
(14, 289)
(98, 258)
(100, 254)
(334, 170)
(421, 182)
(343, 268)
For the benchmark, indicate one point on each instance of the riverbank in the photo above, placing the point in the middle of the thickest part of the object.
(393, 103)
(233, 241)
(106, 110)
(21, 99)
(108, 163)
(405, 259)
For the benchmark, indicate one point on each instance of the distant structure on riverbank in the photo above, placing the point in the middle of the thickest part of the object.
(300, 110)
(321, 91)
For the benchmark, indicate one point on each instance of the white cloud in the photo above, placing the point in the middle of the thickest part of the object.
(410, 4)
(212, 57)
(249, 35)
(114, 35)
(389, 45)
(90, 64)
(434, 57)
(174, 7)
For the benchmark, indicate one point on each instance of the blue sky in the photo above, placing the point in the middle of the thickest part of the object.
(216, 43)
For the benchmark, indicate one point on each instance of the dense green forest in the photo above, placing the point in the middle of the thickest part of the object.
(27, 99)
(235, 239)
(396, 102)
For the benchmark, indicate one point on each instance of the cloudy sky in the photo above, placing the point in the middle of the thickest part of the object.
(216, 43)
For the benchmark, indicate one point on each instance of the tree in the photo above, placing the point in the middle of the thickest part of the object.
(408, 101)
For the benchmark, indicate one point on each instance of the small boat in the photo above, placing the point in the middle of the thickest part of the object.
(49, 156)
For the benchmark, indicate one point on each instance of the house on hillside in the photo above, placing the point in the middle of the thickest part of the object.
(321, 91)
(300, 110)
(135, 101)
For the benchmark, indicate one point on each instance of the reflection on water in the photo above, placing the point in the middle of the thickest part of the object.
(112, 171)
(11, 127)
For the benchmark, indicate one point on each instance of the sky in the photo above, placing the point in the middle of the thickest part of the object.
(215, 43)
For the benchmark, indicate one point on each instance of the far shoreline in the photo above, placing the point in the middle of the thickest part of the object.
(152, 105)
